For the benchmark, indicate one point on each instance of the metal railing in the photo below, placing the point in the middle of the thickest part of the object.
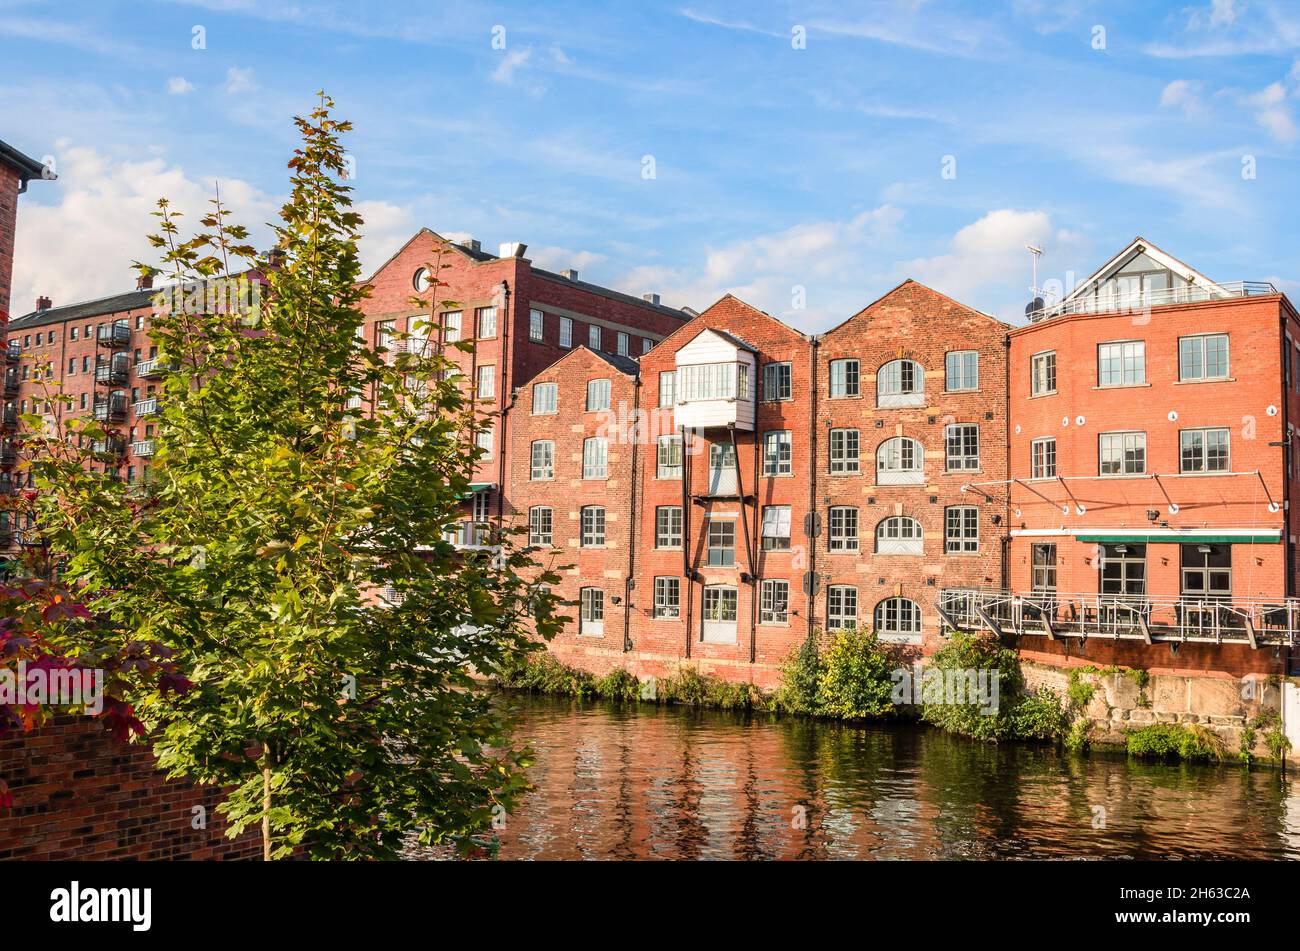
(154, 367)
(1122, 301)
(13, 353)
(142, 447)
(113, 335)
(111, 409)
(1124, 617)
(469, 534)
(12, 383)
(146, 407)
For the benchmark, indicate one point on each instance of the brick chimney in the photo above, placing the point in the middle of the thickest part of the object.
(144, 282)
(44, 303)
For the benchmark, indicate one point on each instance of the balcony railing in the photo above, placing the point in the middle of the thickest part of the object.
(7, 484)
(112, 447)
(112, 409)
(469, 534)
(153, 368)
(28, 538)
(1226, 620)
(12, 384)
(8, 417)
(114, 372)
(8, 456)
(1126, 301)
(146, 407)
(13, 353)
(113, 335)
(142, 447)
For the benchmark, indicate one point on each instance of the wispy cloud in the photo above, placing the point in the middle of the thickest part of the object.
(239, 79)
(179, 86)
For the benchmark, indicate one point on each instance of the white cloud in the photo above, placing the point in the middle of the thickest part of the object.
(511, 63)
(1273, 112)
(239, 80)
(81, 247)
(179, 86)
(1183, 94)
(832, 261)
(552, 258)
(1222, 12)
(990, 257)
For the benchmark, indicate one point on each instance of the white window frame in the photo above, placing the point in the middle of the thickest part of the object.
(780, 462)
(961, 530)
(623, 344)
(566, 333)
(1201, 341)
(841, 607)
(958, 364)
(1042, 458)
(595, 457)
(891, 457)
(544, 470)
(595, 389)
(778, 382)
(842, 527)
(451, 326)
(1130, 356)
(667, 388)
(1204, 451)
(593, 336)
(900, 535)
(536, 326)
(898, 620)
(1129, 441)
(546, 399)
(668, 527)
(591, 526)
(485, 320)
(541, 526)
(667, 449)
(845, 451)
(487, 382)
(719, 620)
(775, 531)
(962, 460)
(849, 382)
(774, 602)
(717, 553)
(591, 618)
(891, 389)
(1042, 373)
(667, 598)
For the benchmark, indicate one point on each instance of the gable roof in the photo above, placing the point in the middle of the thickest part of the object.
(625, 365)
(728, 337)
(727, 299)
(1138, 245)
(468, 252)
(925, 289)
(117, 303)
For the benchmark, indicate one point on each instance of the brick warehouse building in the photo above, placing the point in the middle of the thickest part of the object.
(16, 170)
(721, 484)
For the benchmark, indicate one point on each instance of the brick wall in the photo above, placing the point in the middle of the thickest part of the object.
(917, 324)
(9, 181)
(79, 794)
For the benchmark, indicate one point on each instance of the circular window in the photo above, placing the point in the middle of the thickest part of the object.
(421, 280)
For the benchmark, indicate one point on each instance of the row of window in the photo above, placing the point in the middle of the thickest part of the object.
(546, 397)
(895, 535)
(1205, 570)
(896, 617)
(622, 339)
(1201, 357)
(49, 337)
(1125, 453)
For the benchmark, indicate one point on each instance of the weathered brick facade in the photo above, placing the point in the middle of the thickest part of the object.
(916, 325)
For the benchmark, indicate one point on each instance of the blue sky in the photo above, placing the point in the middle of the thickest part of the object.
(1069, 124)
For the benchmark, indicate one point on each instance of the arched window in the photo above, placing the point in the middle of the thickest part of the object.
(899, 535)
(900, 383)
(900, 461)
(898, 619)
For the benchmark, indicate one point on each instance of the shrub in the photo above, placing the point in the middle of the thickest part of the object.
(1018, 716)
(1077, 740)
(618, 685)
(855, 681)
(801, 676)
(693, 689)
(1175, 741)
(1039, 716)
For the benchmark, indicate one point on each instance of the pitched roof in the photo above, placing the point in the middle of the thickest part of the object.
(117, 303)
(625, 365)
(26, 166)
(1138, 245)
(924, 287)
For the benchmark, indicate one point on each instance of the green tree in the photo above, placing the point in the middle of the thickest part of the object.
(289, 546)
(856, 680)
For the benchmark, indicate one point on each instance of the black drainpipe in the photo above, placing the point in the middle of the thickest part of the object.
(634, 525)
(505, 409)
(810, 520)
(749, 542)
(687, 572)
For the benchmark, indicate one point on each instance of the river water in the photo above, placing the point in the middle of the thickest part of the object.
(665, 782)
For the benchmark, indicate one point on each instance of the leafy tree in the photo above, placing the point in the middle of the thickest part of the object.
(289, 548)
(856, 680)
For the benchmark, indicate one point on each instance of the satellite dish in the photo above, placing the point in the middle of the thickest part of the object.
(1035, 306)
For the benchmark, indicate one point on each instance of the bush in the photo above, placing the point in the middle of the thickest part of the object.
(1077, 740)
(618, 685)
(693, 689)
(856, 681)
(542, 673)
(1175, 741)
(801, 676)
(1018, 716)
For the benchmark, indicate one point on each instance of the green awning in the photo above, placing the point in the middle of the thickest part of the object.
(476, 487)
(1187, 538)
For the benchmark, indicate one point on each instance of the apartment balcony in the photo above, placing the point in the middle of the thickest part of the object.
(9, 417)
(110, 449)
(146, 407)
(113, 373)
(12, 383)
(13, 353)
(1058, 616)
(8, 455)
(142, 448)
(111, 409)
(1114, 298)
(469, 535)
(154, 368)
(114, 336)
(7, 484)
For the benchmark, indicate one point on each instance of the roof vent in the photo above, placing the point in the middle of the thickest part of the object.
(569, 274)
(470, 243)
(515, 249)
(650, 298)
(690, 312)
(44, 303)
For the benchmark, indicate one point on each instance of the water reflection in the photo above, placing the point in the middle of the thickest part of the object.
(618, 783)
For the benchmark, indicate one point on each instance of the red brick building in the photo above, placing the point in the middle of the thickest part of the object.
(1152, 454)
(912, 408)
(16, 170)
